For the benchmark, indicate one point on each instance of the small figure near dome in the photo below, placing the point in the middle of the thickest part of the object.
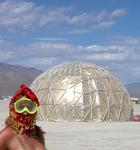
(136, 118)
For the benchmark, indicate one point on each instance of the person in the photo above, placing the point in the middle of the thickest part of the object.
(21, 131)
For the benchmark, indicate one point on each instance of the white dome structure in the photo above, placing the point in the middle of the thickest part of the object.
(81, 92)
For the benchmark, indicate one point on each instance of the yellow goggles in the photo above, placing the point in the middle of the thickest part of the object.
(25, 105)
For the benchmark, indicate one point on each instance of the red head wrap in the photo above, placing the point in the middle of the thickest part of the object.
(24, 91)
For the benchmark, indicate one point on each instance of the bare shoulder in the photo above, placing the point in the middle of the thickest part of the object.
(6, 129)
(5, 137)
(6, 132)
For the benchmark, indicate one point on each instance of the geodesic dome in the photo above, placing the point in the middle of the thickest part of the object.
(81, 92)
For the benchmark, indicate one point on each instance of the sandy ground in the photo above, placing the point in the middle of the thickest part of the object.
(87, 136)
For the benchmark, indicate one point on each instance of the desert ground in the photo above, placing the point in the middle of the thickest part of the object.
(87, 135)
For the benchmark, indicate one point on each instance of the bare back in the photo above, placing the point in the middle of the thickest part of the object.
(10, 141)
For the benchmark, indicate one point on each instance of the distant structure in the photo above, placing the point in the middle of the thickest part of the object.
(135, 100)
(81, 92)
(5, 98)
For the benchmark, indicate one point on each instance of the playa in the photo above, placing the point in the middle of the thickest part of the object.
(87, 135)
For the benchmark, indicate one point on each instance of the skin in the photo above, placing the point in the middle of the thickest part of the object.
(8, 141)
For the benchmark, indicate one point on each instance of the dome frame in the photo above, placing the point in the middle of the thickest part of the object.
(80, 91)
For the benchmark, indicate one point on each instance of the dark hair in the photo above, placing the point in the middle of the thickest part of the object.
(38, 134)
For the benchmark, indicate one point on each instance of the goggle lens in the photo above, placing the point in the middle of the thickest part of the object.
(25, 104)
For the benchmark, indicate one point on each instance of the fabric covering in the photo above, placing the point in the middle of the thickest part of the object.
(24, 91)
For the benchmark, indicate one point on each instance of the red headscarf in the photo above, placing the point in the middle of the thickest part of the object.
(24, 91)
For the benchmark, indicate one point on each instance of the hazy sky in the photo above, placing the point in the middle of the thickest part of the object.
(45, 33)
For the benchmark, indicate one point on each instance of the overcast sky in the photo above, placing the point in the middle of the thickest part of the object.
(46, 33)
